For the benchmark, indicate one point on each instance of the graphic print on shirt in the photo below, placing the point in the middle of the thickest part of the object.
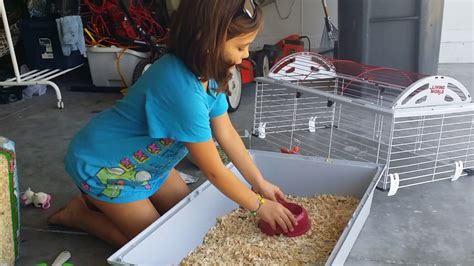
(153, 149)
(140, 156)
(135, 172)
(114, 180)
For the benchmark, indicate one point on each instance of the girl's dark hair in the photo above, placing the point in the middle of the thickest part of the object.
(198, 32)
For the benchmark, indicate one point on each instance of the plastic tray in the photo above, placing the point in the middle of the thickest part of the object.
(182, 229)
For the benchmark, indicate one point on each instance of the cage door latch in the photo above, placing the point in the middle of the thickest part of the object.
(394, 184)
(261, 130)
(312, 124)
(458, 171)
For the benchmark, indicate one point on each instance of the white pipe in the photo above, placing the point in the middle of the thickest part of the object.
(6, 26)
(301, 18)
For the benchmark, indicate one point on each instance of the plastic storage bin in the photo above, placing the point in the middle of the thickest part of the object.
(182, 229)
(402, 34)
(105, 70)
(42, 46)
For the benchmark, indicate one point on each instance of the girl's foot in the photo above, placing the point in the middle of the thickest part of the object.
(68, 214)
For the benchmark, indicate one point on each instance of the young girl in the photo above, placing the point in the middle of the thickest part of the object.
(123, 160)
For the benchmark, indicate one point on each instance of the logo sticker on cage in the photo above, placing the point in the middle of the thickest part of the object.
(438, 89)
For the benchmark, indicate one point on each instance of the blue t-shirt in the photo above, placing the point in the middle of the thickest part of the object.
(126, 152)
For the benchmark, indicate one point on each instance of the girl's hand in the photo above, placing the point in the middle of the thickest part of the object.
(270, 191)
(276, 214)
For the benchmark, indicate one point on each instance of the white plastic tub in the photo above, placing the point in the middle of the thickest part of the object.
(182, 229)
(103, 65)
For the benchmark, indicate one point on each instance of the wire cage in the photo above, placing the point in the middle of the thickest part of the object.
(419, 126)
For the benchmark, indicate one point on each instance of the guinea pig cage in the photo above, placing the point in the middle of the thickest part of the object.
(419, 126)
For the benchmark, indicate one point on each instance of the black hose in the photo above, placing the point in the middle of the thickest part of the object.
(309, 41)
(149, 39)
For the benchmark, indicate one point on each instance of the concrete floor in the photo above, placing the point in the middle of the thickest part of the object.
(429, 224)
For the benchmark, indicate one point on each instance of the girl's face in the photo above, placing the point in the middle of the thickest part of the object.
(237, 48)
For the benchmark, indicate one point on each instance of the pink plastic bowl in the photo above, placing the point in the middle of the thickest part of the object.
(301, 217)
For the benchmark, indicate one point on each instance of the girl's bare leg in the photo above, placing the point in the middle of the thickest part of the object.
(171, 192)
(129, 218)
(76, 214)
(119, 223)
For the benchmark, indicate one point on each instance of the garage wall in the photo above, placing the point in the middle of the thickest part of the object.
(457, 37)
(306, 18)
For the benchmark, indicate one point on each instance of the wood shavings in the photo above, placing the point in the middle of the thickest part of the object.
(234, 240)
(7, 230)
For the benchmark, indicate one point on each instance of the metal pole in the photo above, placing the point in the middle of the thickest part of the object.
(11, 47)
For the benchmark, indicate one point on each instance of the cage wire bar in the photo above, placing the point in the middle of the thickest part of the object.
(420, 127)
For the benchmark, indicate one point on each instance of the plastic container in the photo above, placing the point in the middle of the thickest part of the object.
(402, 34)
(104, 69)
(301, 217)
(42, 46)
(183, 228)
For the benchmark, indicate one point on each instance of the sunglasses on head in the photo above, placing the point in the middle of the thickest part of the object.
(249, 8)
